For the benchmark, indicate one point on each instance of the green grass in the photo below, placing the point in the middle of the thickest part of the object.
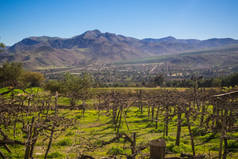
(55, 155)
(91, 130)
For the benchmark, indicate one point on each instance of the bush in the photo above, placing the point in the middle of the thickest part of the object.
(52, 86)
(65, 142)
(32, 79)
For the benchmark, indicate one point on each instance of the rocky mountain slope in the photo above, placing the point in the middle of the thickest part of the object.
(96, 47)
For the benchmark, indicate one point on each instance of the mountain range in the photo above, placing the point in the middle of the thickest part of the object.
(97, 48)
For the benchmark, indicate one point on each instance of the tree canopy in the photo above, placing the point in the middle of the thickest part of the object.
(10, 74)
(32, 79)
(2, 46)
(73, 86)
(13, 74)
(76, 87)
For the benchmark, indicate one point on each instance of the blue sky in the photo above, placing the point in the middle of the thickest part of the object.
(200, 19)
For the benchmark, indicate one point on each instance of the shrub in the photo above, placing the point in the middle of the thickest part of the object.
(52, 86)
(32, 79)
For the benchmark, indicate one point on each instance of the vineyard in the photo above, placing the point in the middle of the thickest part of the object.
(122, 79)
(195, 123)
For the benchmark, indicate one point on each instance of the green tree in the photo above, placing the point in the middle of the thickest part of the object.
(53, 86)
(10, 74)
(2, 46)
(76, 87)
(32, 79)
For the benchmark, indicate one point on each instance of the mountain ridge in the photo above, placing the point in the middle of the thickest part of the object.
(96, 47)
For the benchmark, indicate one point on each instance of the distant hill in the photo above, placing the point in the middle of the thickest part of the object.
(221, 57)
(96, 47)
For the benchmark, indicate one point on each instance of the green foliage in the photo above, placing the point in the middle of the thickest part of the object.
(156, 130)
(2, 46)
(212, 82)
(186, 142)
(197, 131)
(52, 86)
(150, 125)
(179, 83)
(13, 74)
(231, 80)
(76, 87)
(55, 155)
(32, 79)
(232, 146)
(70, 133)
(171, 148)
(64, 142)
(77, 116)
(168, 138)
(178, 149)
(208, 137)
(214, 148)
(10, 74)
(95, 131)
(115, 151)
